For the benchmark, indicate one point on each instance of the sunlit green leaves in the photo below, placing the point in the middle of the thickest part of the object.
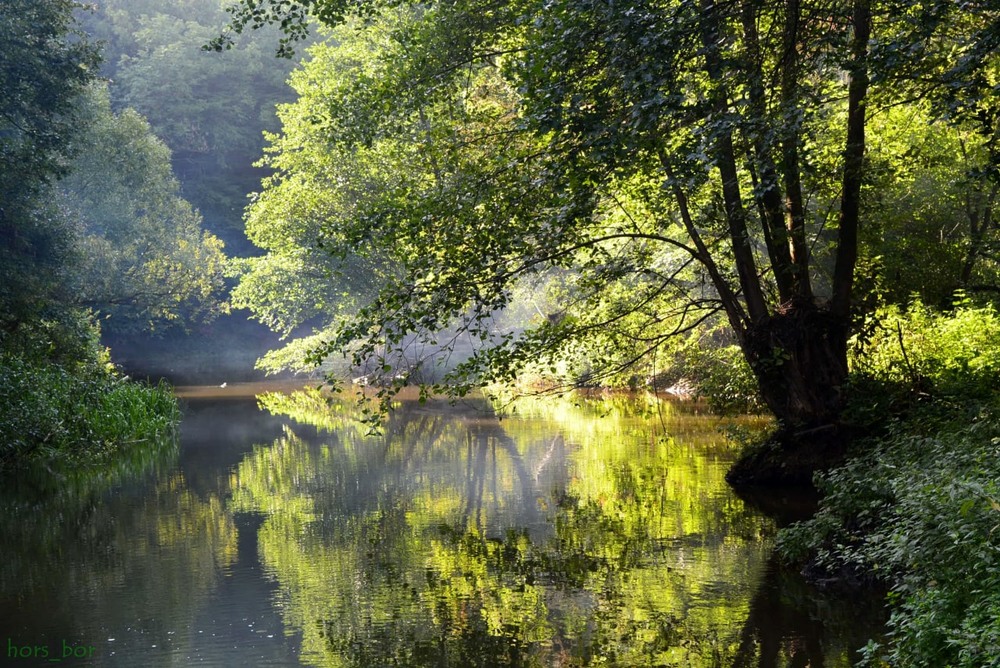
(654, 163)
(434, 213)
(936, 233)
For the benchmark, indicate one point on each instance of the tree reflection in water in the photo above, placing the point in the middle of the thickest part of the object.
(568, 535)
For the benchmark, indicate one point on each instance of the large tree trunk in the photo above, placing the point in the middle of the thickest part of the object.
(854, 153)
(725, 160)
(799, 352)
(799, 357)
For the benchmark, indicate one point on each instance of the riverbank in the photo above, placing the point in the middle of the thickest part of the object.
(917, 506)
(920, 513)
(85, 415)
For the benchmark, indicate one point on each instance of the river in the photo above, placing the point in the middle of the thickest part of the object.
(277, 532)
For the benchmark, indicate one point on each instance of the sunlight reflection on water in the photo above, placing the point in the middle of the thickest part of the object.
(563, 534)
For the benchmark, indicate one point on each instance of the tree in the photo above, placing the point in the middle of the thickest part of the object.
(60, 400)
(146, 262)
(209, 110)
(299, 281)
(936, 232)
(941, 59)
(735, 125)
(44, 66)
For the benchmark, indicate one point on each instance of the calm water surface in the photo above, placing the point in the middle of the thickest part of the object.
(279, 534)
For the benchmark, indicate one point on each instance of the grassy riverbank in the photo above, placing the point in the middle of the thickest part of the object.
(918, 506)
(78, 414)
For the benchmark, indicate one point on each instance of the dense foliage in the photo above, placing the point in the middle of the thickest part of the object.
(918, 507)
(932, 194)
(90, 224)
(631, 173)
(42, 71)
(77, 417)
(209, 110)
(145, 262)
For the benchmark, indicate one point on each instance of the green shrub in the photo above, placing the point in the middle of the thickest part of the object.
(919, 508)
(722, 377)
(954, 353)
(48, 412)
(921, 513)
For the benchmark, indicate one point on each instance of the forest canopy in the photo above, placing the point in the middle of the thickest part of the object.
(784, 165)
(93, 231)
(146, 264)
(208, 110)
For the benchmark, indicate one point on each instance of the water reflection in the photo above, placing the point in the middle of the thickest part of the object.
(136, 566)
(569, 533)
(564, 535)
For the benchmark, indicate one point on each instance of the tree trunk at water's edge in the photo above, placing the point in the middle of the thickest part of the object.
(799, 356)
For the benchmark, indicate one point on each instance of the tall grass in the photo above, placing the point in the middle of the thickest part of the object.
(79, 416)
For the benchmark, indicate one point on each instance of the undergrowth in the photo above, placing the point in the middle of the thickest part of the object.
(62, 402)
(919, 507)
